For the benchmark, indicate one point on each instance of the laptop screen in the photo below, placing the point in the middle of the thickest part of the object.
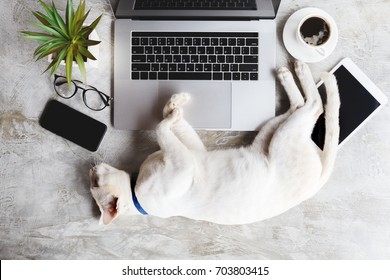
(197, 9)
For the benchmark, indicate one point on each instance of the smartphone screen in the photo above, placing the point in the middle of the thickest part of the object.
(357, 104)
(73, 125)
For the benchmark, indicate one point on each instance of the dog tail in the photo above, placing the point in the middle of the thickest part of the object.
(332, 128)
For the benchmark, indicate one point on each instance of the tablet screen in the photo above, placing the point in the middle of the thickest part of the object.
(356, 105)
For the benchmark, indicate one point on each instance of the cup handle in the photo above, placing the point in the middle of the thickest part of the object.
(321, 51)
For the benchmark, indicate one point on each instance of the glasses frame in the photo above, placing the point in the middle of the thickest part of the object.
(105, 98)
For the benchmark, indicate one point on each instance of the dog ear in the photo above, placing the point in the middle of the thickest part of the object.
(109, 210)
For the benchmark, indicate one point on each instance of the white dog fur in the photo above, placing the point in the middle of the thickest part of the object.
(279, 170)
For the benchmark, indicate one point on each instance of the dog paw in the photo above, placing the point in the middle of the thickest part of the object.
(301, 69)
(284, 74)
(176, 101)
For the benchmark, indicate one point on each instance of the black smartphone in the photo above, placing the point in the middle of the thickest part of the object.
(72, 125)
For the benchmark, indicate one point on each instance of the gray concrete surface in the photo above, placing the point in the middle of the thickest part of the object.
(46, 211)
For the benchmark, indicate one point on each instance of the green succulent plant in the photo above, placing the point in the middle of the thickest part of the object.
(64, 39)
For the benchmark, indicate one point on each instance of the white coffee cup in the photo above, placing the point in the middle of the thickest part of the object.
(315, 31)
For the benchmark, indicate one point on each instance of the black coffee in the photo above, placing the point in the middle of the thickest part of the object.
(314, 31)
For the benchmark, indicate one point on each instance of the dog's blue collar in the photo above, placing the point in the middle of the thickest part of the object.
(133, 180)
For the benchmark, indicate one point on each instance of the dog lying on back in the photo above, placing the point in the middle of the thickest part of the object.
(280, 169)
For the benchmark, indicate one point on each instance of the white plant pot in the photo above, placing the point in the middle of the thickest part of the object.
(94, 50)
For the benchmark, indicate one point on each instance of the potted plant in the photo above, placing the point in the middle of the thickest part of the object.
(65, 40)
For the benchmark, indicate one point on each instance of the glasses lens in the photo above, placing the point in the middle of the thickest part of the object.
(94, 100)
(63, 89)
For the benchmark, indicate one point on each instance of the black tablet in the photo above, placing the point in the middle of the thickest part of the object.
(360, 99)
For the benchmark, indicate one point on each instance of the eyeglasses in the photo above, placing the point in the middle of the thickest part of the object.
(93, 98)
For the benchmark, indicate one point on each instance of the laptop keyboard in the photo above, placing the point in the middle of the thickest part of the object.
(194, 56)
(195, 4)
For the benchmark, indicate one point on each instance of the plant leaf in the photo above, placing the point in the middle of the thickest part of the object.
(60, 22)
(86, 53)
(46, 8)
(69, 64)
(86, 31)
(81, 64)
(48, 29)
(46, 45)
(42, 18)
(52, 48)
(79, 23)
(36, 36)
(69, 17)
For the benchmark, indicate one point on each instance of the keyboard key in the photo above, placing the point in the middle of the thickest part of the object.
(153, 41)
(203, 59)
(135, 41)
(172, 67)
(201, 50)
(144, 41)
(217, 76)
(232, 41)
(223, 42)
(166, 50)
(162, 75)
(144, 75)
(148, 50)
(137, 50)
(183, 50)
(212, 58)
(163, 67)
(179, 41)
(198, 67)
(236, 76)
(189, 75)
(252, 42)
(140, 67)
(161, 41)
(192, 50)
(188, 41)
(253, 76)
(205, 41)
(227, 50)
(190, 67)
(227, 76)
(197, 42)
(174, 50)
(194, 59)
(210, 50)
(150, 58)
(138, 58)
(152, 75)
(254, 50)
(207, 67)
(240, 42)
(244, 76)
(157, 50)
(250, 59)
(248, 67)
(221, 59)
(159, 58)
(181, 67)
(135, 75)
(185, 58)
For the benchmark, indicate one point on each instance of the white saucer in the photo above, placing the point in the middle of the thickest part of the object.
(293, 45)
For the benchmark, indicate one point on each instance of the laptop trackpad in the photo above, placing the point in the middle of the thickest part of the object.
(210, 106)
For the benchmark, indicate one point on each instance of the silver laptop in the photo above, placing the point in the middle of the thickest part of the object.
(221, 52)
